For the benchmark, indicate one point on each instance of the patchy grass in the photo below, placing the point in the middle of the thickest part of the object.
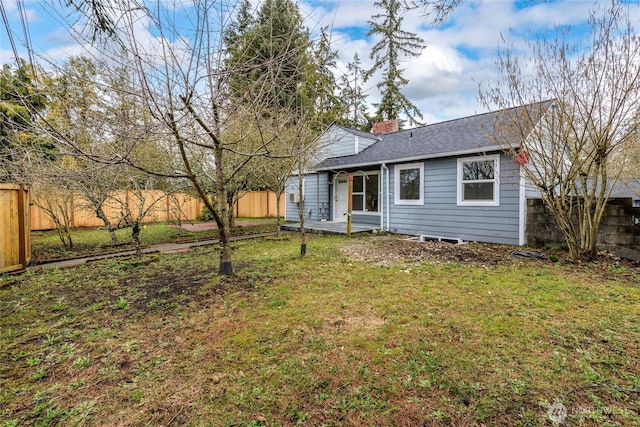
(320, 340)
(46, 245)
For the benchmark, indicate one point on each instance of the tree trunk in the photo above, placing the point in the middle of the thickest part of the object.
(135, 235)
(278, 196)
(222, 216)
(303, 237)
(226, 266)
(107, 224)
(230, 212)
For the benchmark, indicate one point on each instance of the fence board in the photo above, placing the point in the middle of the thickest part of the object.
(15, 243)
(172, 207)
(258, 204)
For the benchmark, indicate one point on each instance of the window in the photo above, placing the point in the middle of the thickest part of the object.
(409, 184)
(365, 192)
(478, 181)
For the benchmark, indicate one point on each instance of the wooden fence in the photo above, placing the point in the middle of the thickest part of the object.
(161, 207)
(15, 236)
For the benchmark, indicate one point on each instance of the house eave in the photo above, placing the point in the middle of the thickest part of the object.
(491, 148)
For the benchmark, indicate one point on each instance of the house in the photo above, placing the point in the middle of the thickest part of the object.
(447, 180)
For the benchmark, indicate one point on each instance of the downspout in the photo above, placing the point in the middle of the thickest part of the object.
(522, 207)
(384, 167)
(382, 206)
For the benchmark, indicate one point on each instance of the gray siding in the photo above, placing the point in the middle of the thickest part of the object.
(440, 215)
(338, 142)
(316, 197)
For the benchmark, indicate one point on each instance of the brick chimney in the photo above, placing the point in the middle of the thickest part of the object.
(387, 126)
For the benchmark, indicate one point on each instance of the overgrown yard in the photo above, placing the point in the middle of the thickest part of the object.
(344, 336)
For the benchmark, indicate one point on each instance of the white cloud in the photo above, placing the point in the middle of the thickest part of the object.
(460, 55)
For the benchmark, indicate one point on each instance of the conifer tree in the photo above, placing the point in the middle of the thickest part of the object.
(20, 103)
(352, 94)
(324, 99)
(394, 44)
(268, 54)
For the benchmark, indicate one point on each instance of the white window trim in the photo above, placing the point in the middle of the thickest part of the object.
(364, 194)
(496, 181)
(396, 196)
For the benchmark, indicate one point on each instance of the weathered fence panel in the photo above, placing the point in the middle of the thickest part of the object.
(15, 233)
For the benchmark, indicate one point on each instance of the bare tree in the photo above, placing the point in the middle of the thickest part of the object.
(274, 173)
(183, 80)
(177, 78)
(56, 201)
(436, 10)
(591, 121)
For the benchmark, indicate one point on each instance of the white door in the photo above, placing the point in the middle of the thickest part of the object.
(340, 194)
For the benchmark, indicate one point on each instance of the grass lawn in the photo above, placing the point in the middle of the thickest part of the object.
(46, 245)
(323, 340)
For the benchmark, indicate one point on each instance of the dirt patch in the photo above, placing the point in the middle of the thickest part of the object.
(394, 250)
(387, 250)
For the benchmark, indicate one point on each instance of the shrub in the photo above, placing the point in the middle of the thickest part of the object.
(205, 215)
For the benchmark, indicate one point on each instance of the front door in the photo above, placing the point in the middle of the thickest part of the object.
(340, 194)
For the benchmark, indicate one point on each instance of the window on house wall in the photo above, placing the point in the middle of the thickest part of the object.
(366, 191)
(409, 184)
(478, 181)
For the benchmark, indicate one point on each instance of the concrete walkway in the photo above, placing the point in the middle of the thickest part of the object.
(162, 248)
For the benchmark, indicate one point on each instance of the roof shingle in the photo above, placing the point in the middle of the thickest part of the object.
(458, 136)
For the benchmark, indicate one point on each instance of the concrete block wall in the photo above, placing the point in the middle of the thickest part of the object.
(619, 231)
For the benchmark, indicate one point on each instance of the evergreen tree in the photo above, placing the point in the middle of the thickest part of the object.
(352, 94)
(269, 55)
(324, 99)
(235, 40)
(394, 43)
(20, 103)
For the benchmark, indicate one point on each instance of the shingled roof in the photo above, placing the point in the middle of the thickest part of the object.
(454, 137)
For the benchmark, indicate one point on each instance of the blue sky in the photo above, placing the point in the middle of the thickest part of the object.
(460, 55)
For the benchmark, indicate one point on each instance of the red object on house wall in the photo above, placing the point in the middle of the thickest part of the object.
(522, 158)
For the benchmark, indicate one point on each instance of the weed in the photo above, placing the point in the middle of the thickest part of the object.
(129, 346)
(83, 412)
(81, 362)
(121, 304)
(39, 375)
(94, 307)
(77, 384)
(109, 372)
(439, 415)
(618, 269)
(67, 348)
(136, 396)
(59, 306)
(49, 340)
(33, 361)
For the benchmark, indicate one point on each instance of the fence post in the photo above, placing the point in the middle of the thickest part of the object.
(22, 232)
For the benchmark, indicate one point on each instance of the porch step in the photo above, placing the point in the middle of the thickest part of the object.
(329, 228)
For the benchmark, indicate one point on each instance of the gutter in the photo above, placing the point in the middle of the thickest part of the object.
(479, 150)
